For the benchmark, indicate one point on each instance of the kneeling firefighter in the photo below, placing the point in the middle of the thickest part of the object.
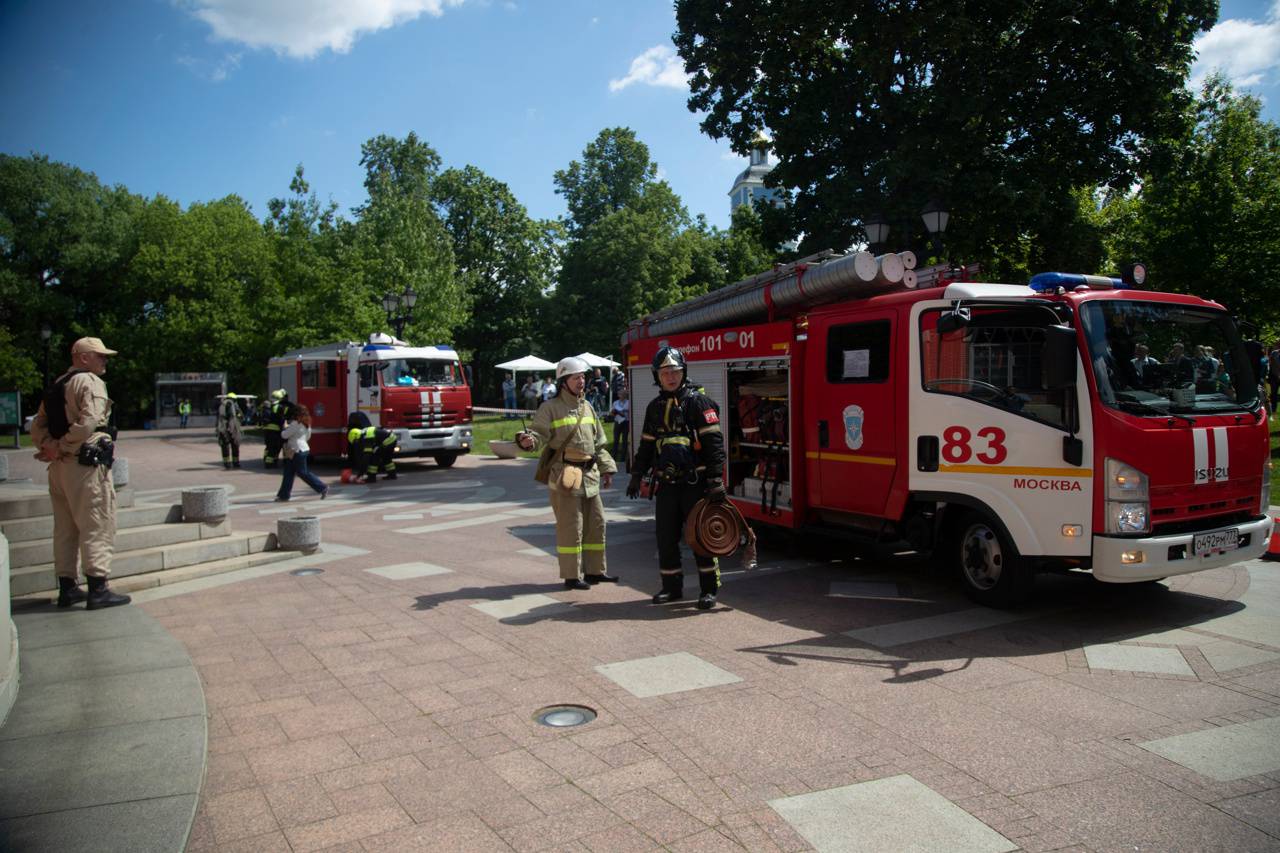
(682, 451)
(575, 466)
(370, 450)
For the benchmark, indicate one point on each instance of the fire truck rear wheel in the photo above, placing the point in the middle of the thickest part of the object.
(446, 458)
(990, 569)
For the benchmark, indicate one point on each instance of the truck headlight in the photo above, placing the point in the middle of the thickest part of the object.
(1128, 507)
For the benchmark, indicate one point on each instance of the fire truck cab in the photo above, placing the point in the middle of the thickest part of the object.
(1076, 422)
(419, 393)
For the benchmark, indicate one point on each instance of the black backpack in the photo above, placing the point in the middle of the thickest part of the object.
(55, 405)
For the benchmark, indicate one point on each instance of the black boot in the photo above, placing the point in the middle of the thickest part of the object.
(69, 592)
(226, 465)
(672, 589)
(602, 578)
(576, 583)
(390, 475)
(371, 478)
(100, 596)
(235, 463)
(708, 585)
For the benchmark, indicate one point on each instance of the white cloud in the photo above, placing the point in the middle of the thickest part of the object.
(303, 28)
(657, 66)
(209, 69)
(1246, 51)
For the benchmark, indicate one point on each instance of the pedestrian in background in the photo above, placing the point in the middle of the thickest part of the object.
(228, 430)
(1273, 374)
(579, 467)
(621, 412)
(297, 455)
(548, 389)
(509, 394)
(184, 412)
(529, 394)
(75, 435)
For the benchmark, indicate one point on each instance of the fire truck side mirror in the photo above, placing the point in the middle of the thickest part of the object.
(953, 320)
(1058, 357)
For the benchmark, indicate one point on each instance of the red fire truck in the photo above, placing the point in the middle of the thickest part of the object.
(419, 393)
(1075, 422)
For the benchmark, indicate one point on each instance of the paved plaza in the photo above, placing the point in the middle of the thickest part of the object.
(833, 700)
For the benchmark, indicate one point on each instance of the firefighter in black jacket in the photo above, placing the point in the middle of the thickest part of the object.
(682, 444)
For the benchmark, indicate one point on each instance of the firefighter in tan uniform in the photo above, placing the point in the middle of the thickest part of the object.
(78, 444)
(580, 467)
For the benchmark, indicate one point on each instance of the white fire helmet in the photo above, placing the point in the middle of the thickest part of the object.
(569, 366)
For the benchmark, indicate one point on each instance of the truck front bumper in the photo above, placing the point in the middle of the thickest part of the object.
(1154, 557)
(427, 439)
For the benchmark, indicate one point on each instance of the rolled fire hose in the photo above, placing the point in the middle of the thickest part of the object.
(717, 529)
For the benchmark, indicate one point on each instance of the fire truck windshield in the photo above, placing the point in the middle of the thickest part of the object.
(1158, 359)
(413, 372)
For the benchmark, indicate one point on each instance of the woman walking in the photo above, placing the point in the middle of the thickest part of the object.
(297, 438)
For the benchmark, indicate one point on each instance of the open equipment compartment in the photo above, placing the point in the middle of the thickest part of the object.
(758, 447)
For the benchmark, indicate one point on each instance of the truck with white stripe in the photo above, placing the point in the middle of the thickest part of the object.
(1076, 422)
(419, 393)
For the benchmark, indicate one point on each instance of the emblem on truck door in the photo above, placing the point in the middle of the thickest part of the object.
(853, 418)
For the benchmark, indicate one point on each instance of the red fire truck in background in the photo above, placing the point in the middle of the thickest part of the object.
(1075, 422)
(419, 393)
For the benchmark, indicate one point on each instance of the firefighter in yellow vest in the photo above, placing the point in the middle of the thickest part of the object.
(580, 467)
(277, 415)
(682, 448)
(370, 450)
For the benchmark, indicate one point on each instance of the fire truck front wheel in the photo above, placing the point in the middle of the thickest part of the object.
(446, 458)
(989, 568)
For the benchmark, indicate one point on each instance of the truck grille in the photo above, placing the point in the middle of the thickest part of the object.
(418, 418)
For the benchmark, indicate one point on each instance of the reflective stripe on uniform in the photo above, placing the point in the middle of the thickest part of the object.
(708, 429)
(571, 420)
(568, 549)
(592, 546)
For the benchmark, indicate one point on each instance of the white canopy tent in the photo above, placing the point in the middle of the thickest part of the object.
(594, 360)
(526, 363)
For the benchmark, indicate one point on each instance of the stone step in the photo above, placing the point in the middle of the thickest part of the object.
(41, 577)
(34, 501)
(128, 540)
(133, 583)
(138, 515)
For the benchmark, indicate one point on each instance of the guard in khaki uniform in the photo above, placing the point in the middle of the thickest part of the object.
(80, 488)
(580, 466)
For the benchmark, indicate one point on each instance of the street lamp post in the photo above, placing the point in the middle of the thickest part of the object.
(935, 218)
(45, 334)
(876, 227)
(399, 308)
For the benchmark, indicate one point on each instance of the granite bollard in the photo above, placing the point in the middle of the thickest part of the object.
(301, 533)
(207, 503)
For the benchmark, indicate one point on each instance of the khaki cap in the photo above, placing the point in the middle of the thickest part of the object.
(91, 345)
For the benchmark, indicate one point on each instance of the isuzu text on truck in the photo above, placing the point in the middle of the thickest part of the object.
(1078, 422)
(419, 393)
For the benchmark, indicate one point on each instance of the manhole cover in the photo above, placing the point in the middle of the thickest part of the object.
(302, 573)
(564, 716)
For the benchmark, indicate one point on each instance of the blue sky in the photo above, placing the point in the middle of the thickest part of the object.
(197, 99)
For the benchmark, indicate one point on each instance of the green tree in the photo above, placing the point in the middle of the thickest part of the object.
(1003, 110)
(1208, 222)
(401, 239)
(65, 245)
(614, 173)
(744, 248)
(634, 249)
(319, 293)
(504, 260)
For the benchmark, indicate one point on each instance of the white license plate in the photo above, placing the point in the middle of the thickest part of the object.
(1217, 542)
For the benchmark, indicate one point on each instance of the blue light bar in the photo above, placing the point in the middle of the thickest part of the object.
(1049, 282)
